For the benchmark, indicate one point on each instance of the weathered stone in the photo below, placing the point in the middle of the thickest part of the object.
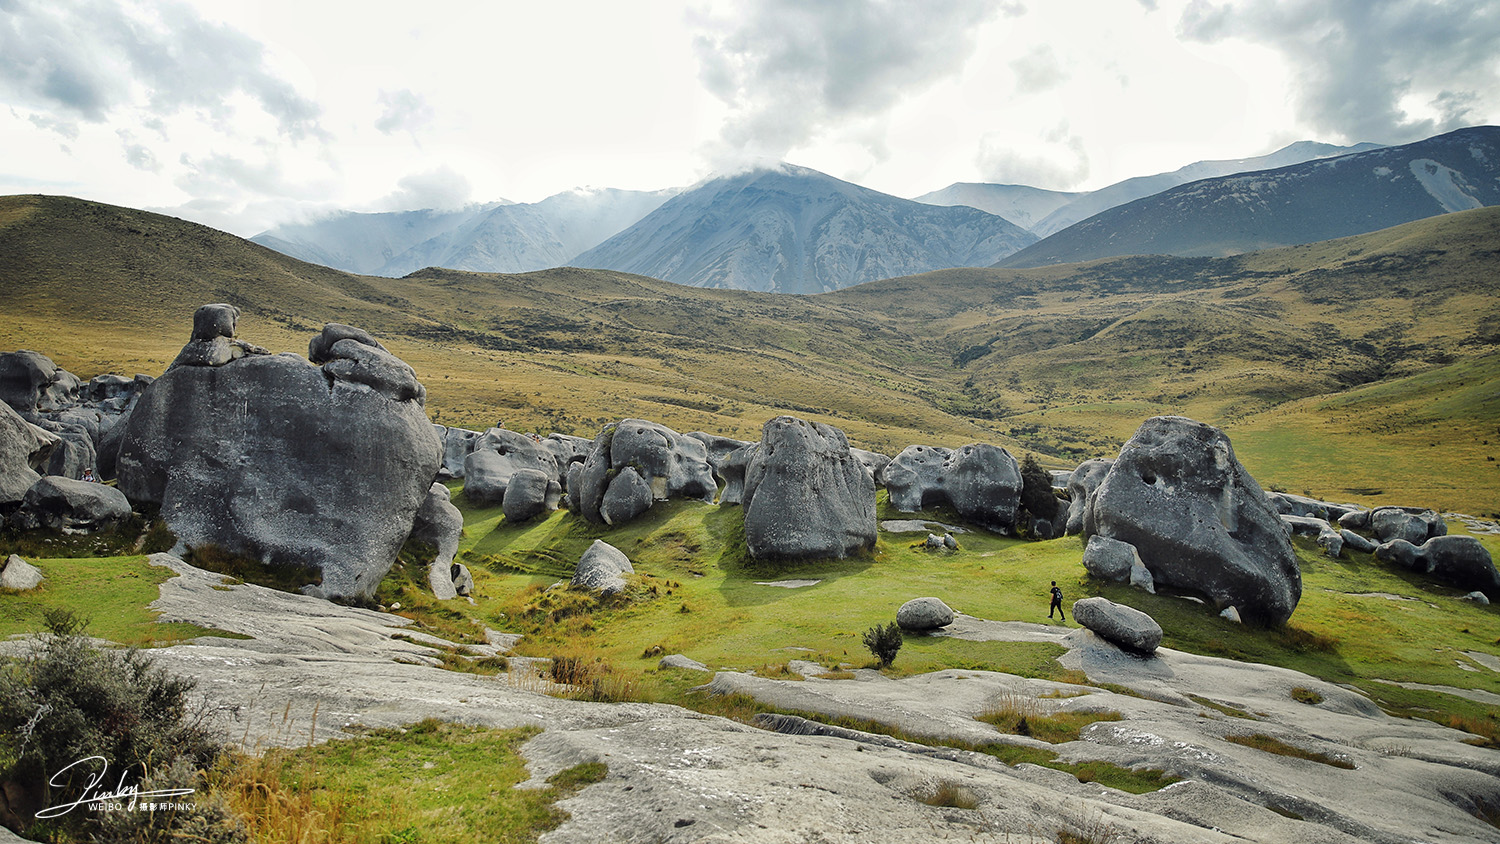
(922, 614)
(353, 362)
(873, 461)
(718, 448)
(31, 382)
(1413, 524)
(320, 348)
(1199, 520)
(529, 494)
(1304, 525)
(1109, 559)
(1042, 529)
(632, 451)
(1357, 542)
(1230, 614)
(732, 469)
(566, 451)
(950, 542)
(682, 662)
(213, 343)
(602, 568)
(292, 464)
(1081, 484)
(1125, 626)
(806, 496)
(73, 454)
(20, 575)
(498, 455)
(1456, 560)
(1332, 543)
(458, 444)
(66, 504)
(22, 448)
(1477, 597)
(463, 580)
(933, 541)
(441, 525)
(981, 482)
(1300, 505)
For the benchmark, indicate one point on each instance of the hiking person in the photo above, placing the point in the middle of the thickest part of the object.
(1056, 603)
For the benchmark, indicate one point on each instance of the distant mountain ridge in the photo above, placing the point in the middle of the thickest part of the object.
(1023, 205)
(497, 237)
(791, 229)
(1302, 203)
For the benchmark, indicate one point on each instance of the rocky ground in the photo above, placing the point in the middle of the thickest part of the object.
(313, 668)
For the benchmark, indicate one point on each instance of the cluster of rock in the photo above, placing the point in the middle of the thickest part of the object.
(55, 430)
(634, 463)
(981, 482)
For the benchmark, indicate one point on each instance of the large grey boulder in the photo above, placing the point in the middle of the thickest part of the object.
(873, 461)
(31, 382)
(602, 568)
(1199, 520)
(566, 451)
(23, 449)
(920, 615)
(458, 444)
(498, 455)
(1081, 484)
(293, 464)
(441, 525)
(981, 482)
(1111, 559)
(1125, 626)
(806, 495)
(19, 575)
(71, 505)
(73, 454)
(530, 493)
(321, 348)
(1456, 560)
(633, 453)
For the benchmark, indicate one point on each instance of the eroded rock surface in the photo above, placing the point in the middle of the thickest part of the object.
(633, 463)
(1199, 521)
(806, 496)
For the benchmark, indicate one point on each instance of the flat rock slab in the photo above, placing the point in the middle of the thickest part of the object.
(788, 584)
(918, 526)
(315, 668)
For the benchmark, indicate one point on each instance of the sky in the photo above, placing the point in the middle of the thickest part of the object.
(242, 114)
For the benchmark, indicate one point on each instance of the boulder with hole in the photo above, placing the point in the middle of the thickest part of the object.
(1199, 521)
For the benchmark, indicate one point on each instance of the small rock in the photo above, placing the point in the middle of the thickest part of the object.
(933, 541)
(1357, 542)
(680, 661)
(20, 575)
(463, 581)
(1476, 596)
(949, 542)
(1231, 613)
(602, 568)
(395, 605)
(1109, 559)
(921, 614)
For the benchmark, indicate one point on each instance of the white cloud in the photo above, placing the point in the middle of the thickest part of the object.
(440, 188)
(404, 110)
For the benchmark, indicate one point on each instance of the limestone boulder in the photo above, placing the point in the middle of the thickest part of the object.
(1413, 524)
(1081, 484)
(1288, 504)
(23, 449)
(320, 348)
(213, 342)
(19, 575)
(566, 451)
(602, 568)
(498, 455)
(873, 461)
(1199, 521)
(806, 495)
(71, 505)
(1460, 561)
(30, 383)
(920, 615)
(719, 448)
(458, 444)
(732, 468)
(1125, 626)
(530, 493)
(981, 482)
(73, 454)
(1358, 542)
(1109, 559)
(441, 525)
(632, 453)
(293, 464)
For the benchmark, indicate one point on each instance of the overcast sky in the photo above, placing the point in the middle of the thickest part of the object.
(244, 113)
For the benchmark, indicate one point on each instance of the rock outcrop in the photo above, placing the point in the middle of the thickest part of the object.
(1081, 484)
(634, 462)
(806, 495)
(290, 463)
(1413, 524)
(981, 482)
(458, 444)
(498, 455)
(602, 569)
(1459, 561)
(30, 382)
(441, 525)
(920, 615)
(1199, 521)
(71, 505)
(23, 449)
(1125, 626)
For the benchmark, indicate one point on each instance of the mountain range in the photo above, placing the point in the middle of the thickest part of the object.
(1302, 203)
(789, 229)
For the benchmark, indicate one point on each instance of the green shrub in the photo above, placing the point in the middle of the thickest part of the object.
(67, 700)
(884, 642)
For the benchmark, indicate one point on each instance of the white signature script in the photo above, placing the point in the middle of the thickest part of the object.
(93, 795)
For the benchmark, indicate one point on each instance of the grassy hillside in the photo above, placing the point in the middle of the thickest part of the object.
(1332, 351)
